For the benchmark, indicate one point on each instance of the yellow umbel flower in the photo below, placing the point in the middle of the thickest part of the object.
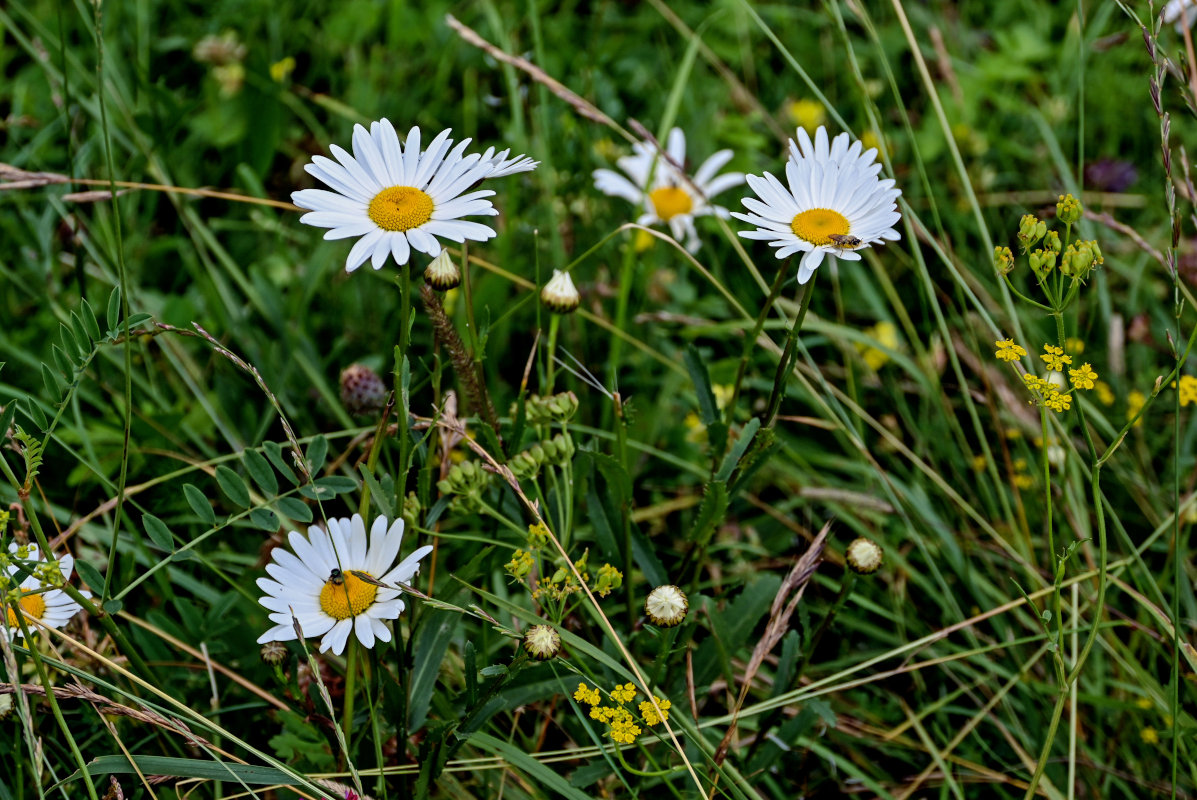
(587, 695)
(624, 694)
(1084, 377)
(649, 713)
(1054, 358)
(1188, 390)
(1007, 350)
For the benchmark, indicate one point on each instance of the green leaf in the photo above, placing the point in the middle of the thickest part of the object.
(232, 485)
(707, 408)
(378, 497)
(542, 775)
(259, 469)
(295, 508)
(54, 384)
(137, 319)
(337, 484)
(710, 513)
(188, 768)
(81, 337)
(114, 308)
(69, 344)
(158, 532)
(89, 321)
(432, 642)
(90, 575)
(274, 452)
(737, 451)
(264, 519)
(34, 411)
(63, 361)
(317, 452)
(199, 504)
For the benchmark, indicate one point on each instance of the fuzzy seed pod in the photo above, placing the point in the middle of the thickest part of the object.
(542, 642)
(864, 556)
(273, 653)
(362, 391)
(666, 606)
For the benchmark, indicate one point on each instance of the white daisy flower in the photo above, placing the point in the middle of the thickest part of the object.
(395, 197)
(316, 584)
(38, 599)
(672, 199)
(1181, 12)
(834, 206)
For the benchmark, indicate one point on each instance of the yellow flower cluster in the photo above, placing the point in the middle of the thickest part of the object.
(622, 724)
(1046, 394)
(1007, 350)
(650, 714)
(520, 565)
(1188, 390)
(1054, 358)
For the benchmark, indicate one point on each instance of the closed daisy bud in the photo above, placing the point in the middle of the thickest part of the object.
(542, 642)
(864, 556)
(560, 294)
(666, 606)
(362, 391)
(442, 274)
(273, 653)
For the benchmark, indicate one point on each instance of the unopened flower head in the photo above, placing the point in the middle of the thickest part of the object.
(317, 585)
(1003, 260)
(864, 556)
(833, 205)
(442, 273)
(666, 606)
(666, 194)
(37, 597)
(362, 390)
(396, 197)
(560, 294)
(1068, 209)
(542, 642)
(1030, 230)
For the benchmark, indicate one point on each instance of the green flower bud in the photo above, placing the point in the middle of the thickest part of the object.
(1068, 210)
(1052, 242)
(443, 274)
(1003, 260)
(1030, 230)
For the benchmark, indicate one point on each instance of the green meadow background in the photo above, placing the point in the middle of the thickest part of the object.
(933, 677)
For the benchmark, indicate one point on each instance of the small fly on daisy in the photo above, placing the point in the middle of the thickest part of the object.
(833, 203)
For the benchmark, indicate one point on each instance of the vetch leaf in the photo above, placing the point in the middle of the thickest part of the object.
(113, 315)
(295, 508)
(274, 452)
(259, 469)
(158, 532)
(199, 504)
(232, 485)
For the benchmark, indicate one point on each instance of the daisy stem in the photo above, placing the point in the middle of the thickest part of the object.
(621, 309)
(787, 357)
(375, 450)
(750, 341)
(554, 324)
(350, 688)
(402, 379)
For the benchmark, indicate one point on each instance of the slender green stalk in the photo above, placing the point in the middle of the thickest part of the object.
(750, 341)
(52, 700)
(350, 689)
(627, 272)
(402, 375)
(787, 355)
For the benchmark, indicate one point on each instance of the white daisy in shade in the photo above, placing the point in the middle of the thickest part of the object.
(38, 599)
(835, 204)
(396, 198)
(660, 187)
(316, 583)
(1181, 12)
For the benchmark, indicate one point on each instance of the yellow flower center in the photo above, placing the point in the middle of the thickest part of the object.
(346, 595)
(818, 225)
(669, 201)
(34, 605)
(400, 208)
